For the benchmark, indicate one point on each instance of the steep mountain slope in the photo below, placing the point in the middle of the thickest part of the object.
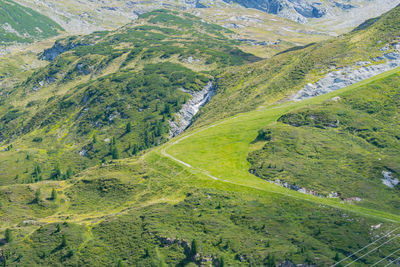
(347, 145)
(19, 24)
(109, 94)
(154, 210)
(281, 77)
(195, 200)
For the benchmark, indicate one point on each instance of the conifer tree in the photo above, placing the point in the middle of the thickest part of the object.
(194, 248)
(69, 173)
(53, 194)
(128, 127)
(63, 241)
(135, 149)
(8, 235)
(115, 153)
(38, 196)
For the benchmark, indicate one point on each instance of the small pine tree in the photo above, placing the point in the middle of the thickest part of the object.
(167, 109)
(336, 258)
(194, 248)
(69, 173)
(221, 262)
(37, 172)
(120, 263)
(146, 138)
(270, 261)
(146, 253)
(38, 196)
(8, 235)
(94, 140)
(135, 149)
(63, 241)
(113, 141)
(128, 127)
(58, 228)
(115, 153)
(53, 194)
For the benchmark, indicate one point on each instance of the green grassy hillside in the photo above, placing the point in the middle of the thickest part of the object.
(339, 146)
(154, 211)
(221, 151)
(19, 24)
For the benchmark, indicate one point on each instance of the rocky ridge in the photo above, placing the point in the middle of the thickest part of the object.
(184, 117)
(350, 75)
(89, 16)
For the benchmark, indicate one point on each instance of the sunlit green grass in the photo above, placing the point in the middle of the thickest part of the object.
(221, 150)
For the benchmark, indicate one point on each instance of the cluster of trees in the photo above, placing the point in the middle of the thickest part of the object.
(57, 174)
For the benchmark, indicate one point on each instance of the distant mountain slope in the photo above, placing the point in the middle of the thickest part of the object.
(277, 79)
(302, 10)
(19, 24)
(85, 16)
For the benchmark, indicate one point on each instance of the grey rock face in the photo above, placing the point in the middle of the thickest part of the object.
(184, 117)
(389, 180)
(57, 49)
(303, 10)
(298, 10)
(288, 263)
(350, 75)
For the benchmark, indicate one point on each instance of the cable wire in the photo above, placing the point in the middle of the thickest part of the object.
(369, 252)
(391, 254)
(370, 244)
(392, 262)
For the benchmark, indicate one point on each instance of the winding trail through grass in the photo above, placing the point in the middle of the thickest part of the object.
(220, 151)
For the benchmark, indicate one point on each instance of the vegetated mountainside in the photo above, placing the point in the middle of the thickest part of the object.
(277, 79)
(109, 94)
(148, 211)
(348, 145)
(151, 210)
(220, 152)
(20, 24)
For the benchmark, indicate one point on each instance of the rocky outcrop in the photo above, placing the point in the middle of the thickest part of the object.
(303, 10)
(389, 180)
(297, 10)
(259, 43)
(57, 49)
(184, 117)
(288, 263)
(350, 75)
